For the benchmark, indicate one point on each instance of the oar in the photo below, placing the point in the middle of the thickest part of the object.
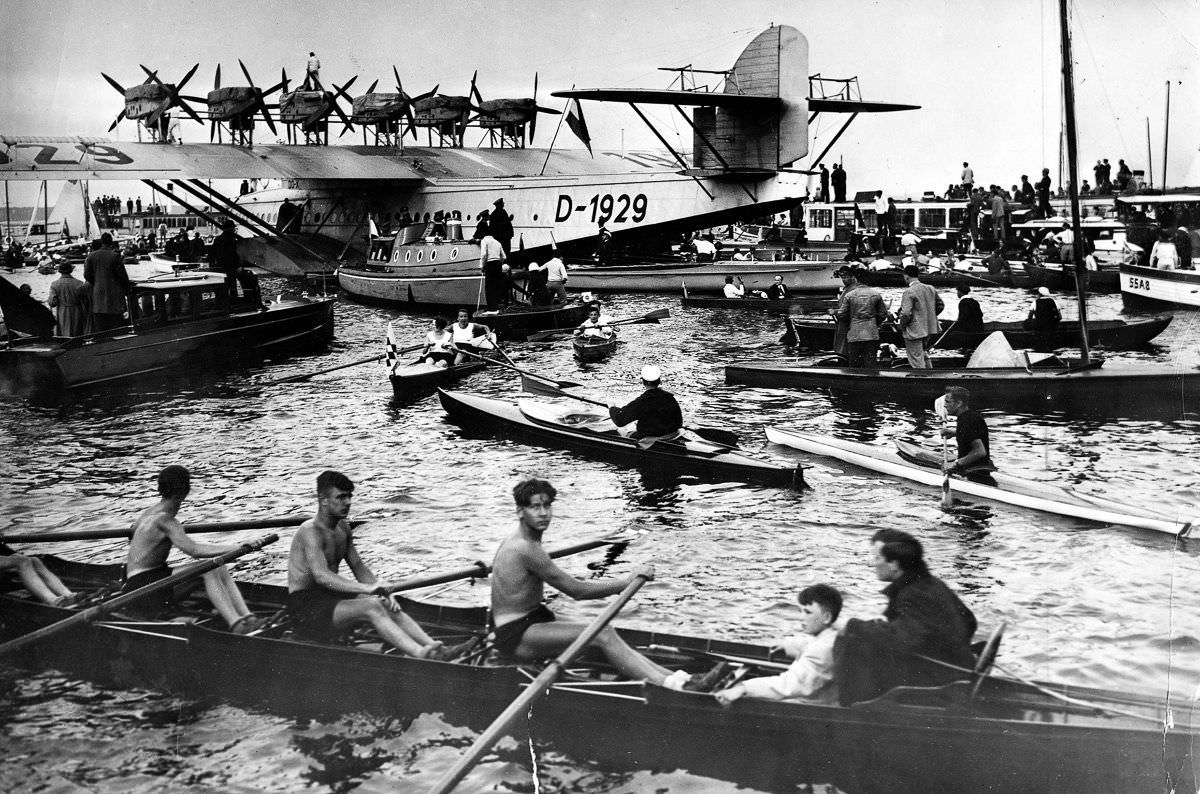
(790, 338)
(92, 613)
(565, 384)
(939, 407)
(307, 375)
(945, 333)
(480, 571)
(535, 384)
(210, 526)
(537, 689)
(649, 317)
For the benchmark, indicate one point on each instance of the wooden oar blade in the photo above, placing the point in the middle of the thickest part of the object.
(789, 338)
(716, 435)
(537, 386)
(541, 336)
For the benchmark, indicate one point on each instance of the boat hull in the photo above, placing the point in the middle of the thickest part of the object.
(800, 277)
(415, 380)
(588, 348)
(1126, 391)
(808, 305)
(1149, 286)
(505, 419)
(1011, 737)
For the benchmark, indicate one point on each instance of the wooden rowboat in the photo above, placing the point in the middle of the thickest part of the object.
(916, 464)
(980, 733)
(594, 348)
(418, 378)
(593, 433)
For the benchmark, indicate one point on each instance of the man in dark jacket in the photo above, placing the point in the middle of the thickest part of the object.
(223, 255)
(656, 411)
(104, 270)
(924, 618)
(500, 225)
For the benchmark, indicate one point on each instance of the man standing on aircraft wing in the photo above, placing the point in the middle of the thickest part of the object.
(524, 628)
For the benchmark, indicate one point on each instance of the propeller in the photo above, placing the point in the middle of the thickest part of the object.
(173, 97)
(538, 109)
(340, 92)
(217, 78)
(371, 87)
(121, 90)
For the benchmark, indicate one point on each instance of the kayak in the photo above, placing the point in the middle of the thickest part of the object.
(1046, 497)
(594, 348)
(591, 432)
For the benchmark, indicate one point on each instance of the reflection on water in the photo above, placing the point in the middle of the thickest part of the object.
(1098, 605)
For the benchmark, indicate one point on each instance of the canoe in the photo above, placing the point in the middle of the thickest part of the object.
(1112, 334)
(174, 321)
(591, 432)
(1056, 277)
(916, 464)
(417, 378)
(1055, 384)
(594, 348)
(1008, 736)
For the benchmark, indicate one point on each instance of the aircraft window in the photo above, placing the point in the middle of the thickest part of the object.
(420, 255)
(396, 257)
(316, 218)
(454, 253)
(427, 217)
(407, 255)
(433, 255)
(535, 216)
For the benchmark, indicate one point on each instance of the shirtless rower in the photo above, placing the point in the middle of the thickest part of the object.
(323, 603)
(157, 530)
(39, 580)
(468, 336)
(524, 628)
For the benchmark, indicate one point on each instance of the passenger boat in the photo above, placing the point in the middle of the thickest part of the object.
(418, 378)
(803, 305)
(417, 266)
(801, 276)
(1051, 383)
(593, 433)
(594, 348)
(914, 463)
(983, 732)
(1113, 334)
(1154, 287)
(174, 321)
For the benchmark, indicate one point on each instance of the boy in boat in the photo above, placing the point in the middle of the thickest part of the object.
(970, 432)
(924, 618)
(522, 626)
(595, 325)
(811, 675)
(656, 411)
(469, 336)
(322, 603)
(157, 530)
(39, 580)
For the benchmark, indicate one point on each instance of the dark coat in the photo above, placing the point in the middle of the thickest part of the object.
(657, 413)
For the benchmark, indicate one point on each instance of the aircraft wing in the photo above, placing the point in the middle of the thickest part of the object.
(663, 96)
(856, 106)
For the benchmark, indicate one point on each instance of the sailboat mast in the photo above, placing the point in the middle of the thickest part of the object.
(1166, 135)
(1073, 185)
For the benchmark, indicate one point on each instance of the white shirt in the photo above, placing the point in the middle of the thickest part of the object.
(881, 206)
(460, 334)
(314, 64)
(968, 176)
(1065, 237)
(490, 250)
(881, 264)
(809, 674)
(705, 247)
(1164, 255)
(909, 238)
(735, 291)
(555, 270)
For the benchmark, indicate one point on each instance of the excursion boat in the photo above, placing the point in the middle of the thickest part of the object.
(803, 305)
(914, 463)
(801, 276)
(174, 321)
(594, 348)
(417, 266)
(1112, 334)
(1050, 383)
(983, 732)
(593, 433)
(1153, 287)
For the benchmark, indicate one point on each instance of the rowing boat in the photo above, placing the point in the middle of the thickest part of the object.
(1008, 735)
(514, 323)
(594, 348)
(916, 464)
(417, 378)
(799, 275)
(805, 304)
(594, 434)
(1112, 334)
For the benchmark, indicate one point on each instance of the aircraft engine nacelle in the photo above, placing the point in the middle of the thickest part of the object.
(377, 107)
(774, 64)
(144, 99)
(506, 112)
(232, 102)
(298, 106)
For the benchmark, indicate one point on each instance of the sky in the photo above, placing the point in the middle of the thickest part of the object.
(986, 74)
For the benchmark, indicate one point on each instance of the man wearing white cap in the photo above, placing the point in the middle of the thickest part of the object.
(656, 411)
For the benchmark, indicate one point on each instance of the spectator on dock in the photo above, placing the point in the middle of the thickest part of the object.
(824, 182)
(1044, 210)
(1105, 185)
(838, 178)
(70, 298)
(967, 180)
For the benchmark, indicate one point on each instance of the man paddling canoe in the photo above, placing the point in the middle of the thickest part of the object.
(970, 432)
(322, 603)
(522, 626)
(656, 411)
(156, 530)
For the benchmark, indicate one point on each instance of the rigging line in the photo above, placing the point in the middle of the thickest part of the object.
(1175, 25)
(694, 54)
(1078, 16)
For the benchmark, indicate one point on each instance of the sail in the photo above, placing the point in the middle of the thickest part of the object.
(72, 215)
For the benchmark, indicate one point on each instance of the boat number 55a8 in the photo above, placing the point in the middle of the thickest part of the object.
(1139, 283)
(603, 208)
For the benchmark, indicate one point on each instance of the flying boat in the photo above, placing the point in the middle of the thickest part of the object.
(309, 109)
(150, 102)
(750, 132)
(507, 119)
(381, 113)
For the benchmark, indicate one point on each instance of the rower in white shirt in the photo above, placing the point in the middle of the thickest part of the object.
(732, 290)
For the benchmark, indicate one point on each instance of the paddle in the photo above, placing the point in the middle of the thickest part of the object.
(536, 690)
(210, 526)
(939, 407)
(789, 338)
(565, 384)
(535, 384)
(92, 613)
(945, 333)
(307, 375)
(649, 317)
(480, 571)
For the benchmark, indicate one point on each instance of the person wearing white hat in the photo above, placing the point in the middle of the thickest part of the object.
(656, 411)
(1043, 312)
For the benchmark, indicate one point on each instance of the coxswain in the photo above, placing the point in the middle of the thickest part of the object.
(469, 337)
(778, 291)
(732, 290)
(439, 349)
(595, 326)
(970, 315)
(157, 530)
(322, 603)
(970, 432)
(524, 628)
(656, 411)
(1044, 315)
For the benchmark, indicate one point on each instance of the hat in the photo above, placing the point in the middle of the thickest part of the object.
(498, 202)
(1043, 291)
(228, 223)
(912, 270)
(651, 374)
(65, 267)
(844, 270)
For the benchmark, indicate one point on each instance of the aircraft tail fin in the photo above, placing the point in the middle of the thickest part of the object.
(774, 64)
